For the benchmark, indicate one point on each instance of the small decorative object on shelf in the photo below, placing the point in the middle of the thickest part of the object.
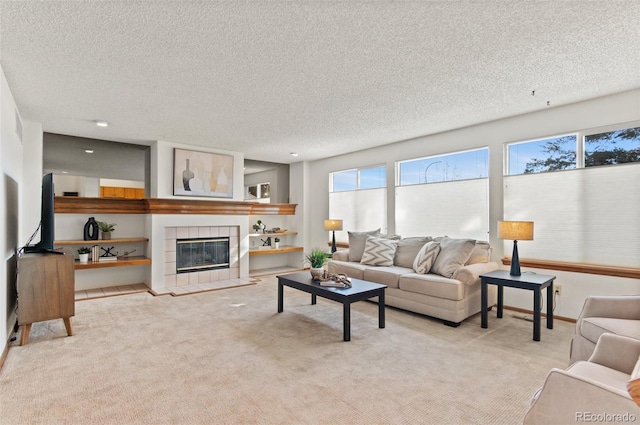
(83, 254)
(259, 226)
(276, 243)
(95, 253)
(106, 229)
(317, 259)
(91, 230)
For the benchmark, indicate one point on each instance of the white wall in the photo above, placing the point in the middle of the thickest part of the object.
(619, 108)
(11, 199)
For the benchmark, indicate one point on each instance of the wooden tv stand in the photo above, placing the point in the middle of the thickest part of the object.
(46, 288)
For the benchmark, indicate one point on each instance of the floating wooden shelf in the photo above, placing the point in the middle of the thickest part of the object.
(100, 241)
(273, 235)
(84, 205)
(268, 250)
(120, 262)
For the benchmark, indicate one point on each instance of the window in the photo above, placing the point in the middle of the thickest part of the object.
(362, 178)
(612, 147)
(444, 168)
(260, 192)
(444, 195)
(359, 198)
(587, 213)
(538, 156)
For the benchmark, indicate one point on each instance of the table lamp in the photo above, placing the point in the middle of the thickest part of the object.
(518, 231)
(333, 225)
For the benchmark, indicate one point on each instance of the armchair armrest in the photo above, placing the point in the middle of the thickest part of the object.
(587, 397)
(470, 274)
(616, 352)
(619, 307)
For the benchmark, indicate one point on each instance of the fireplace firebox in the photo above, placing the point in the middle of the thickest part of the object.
(199, 254)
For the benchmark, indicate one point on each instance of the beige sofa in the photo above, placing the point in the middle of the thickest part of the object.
(449, 298)
(596, 390)
(618, 315)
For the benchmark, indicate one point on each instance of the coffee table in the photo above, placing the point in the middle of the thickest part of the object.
(359, 291)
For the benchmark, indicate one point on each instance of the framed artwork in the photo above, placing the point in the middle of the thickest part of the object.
(202, 174)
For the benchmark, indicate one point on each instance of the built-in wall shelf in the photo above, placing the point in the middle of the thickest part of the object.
(120, 262)
(100, 241)
(267, 250)
(274, 270)
(273, 235)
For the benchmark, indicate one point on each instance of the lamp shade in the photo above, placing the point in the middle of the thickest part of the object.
(515, 230)
(333, 224)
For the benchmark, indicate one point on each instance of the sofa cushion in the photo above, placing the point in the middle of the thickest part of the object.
(351, 269)
(453, 254)
(426, 257)
(408, 249)
(433, 285)
(386, 275)
(481, 253)
(592, 327)
(379, 251)
(357, 241)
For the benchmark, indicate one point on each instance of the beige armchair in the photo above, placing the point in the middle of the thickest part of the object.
(589, 390)
(618, 315)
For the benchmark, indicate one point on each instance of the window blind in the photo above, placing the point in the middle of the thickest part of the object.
(459, 209)
(587, 215)
(359, 210)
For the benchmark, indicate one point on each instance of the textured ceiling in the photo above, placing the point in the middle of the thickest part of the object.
(315, 77)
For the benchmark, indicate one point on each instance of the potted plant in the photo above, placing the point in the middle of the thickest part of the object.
(317, 259)
(106, 229)
(83, 254)
(276, 243)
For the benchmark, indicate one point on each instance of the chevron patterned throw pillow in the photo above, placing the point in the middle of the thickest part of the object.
(379, 251)
(426, 257)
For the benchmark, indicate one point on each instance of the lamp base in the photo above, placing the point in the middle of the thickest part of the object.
(333, 243)
(515, 261)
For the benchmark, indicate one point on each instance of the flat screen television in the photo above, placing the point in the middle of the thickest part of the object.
(47, 232)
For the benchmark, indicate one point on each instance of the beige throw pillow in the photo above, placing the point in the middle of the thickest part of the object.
(408, 249)
(378, 251)
(357, 241)
(454, 253)
(481, 253)
(426, 257)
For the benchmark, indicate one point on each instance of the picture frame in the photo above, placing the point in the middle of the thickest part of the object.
(203, 174)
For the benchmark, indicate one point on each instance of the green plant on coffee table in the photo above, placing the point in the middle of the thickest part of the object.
(106, 227)
(83, 250)
(317, 258)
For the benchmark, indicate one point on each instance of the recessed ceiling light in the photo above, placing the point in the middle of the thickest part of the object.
(293, 153)
(101, 123)
(88, 150)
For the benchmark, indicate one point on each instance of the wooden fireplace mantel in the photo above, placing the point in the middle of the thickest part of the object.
(82, 205)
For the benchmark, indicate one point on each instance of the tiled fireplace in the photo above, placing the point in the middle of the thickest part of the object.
(211, 235)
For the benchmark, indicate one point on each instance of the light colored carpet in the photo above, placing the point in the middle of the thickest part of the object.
(228, 357)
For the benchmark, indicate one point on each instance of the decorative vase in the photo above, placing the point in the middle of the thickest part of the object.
(317, 273)
(106, 236)
(187, 175)
(277, 245)
(84, 258)
(91, 229)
